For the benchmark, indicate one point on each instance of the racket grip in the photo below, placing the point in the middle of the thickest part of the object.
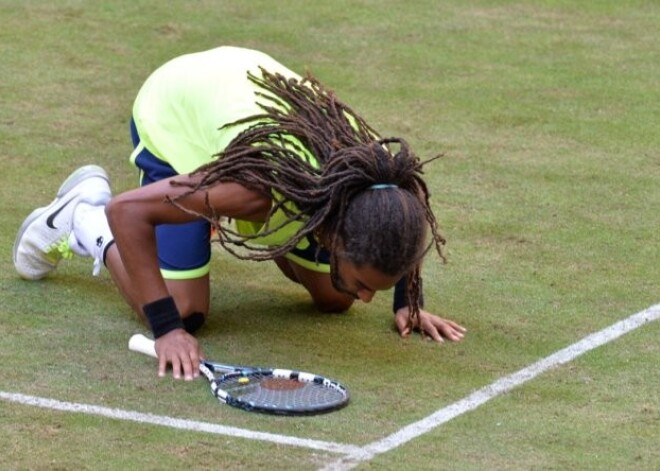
(141, 344)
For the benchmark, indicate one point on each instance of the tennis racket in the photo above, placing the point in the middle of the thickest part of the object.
(269, 390)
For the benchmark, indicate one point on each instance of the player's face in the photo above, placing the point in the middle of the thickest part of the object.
(361, 282)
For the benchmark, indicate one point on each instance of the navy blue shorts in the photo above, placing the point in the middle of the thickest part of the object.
(184, 250)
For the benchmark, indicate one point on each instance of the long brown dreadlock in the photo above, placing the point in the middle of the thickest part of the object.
(309, 149)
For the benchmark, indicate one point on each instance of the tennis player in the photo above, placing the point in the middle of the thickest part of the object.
(231, 140)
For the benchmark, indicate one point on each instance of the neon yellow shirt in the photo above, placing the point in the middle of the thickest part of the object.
(182, 104)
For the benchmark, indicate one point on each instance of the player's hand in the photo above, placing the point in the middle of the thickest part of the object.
(182, 351)
(437, 328)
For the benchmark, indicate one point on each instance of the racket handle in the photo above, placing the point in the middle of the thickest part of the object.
(141, 344)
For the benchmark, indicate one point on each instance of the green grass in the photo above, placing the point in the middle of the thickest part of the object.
(547, 114)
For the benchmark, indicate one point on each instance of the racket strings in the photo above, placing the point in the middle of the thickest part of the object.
(264, 391)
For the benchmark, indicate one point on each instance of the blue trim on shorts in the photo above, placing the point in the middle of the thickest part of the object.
(153, 169)
(181, 247)
(309, 253)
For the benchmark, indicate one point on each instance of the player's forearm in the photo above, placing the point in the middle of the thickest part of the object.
(136, 243)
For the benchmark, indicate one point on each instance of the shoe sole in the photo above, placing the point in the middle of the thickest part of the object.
(83, 173)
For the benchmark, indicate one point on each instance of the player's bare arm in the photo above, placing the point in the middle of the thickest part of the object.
(133, 217)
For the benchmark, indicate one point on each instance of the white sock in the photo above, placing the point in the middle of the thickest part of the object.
(91, 233)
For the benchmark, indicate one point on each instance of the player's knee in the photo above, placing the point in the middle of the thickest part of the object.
(192, 315)
(286, 268)
(193, 322)
(333, 304)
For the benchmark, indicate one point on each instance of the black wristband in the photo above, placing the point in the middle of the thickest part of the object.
(163, 316)
(401, 294)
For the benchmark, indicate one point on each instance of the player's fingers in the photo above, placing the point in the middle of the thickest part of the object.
(450, 332)
(456, 326)
(195, 358)
(188, 368)
(432, 332)
(162, 365)
(176, 367)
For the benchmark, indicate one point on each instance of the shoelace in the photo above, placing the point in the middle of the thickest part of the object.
(60, 250)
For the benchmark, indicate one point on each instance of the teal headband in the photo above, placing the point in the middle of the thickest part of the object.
(382, 186)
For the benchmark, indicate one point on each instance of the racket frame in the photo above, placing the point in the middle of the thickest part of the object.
(209, 369)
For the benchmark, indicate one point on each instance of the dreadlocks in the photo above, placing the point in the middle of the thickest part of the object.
(317, 160)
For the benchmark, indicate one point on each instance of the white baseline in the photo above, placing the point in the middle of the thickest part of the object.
(493, 390)
(175, 423)
(353, 454)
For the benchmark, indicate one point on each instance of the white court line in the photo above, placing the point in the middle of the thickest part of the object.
(493, 390)
(176, 423)
(354, 455)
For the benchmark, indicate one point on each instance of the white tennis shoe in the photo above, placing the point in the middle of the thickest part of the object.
(42, 239)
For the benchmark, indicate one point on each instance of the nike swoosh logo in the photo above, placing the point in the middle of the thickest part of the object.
(51, 218)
